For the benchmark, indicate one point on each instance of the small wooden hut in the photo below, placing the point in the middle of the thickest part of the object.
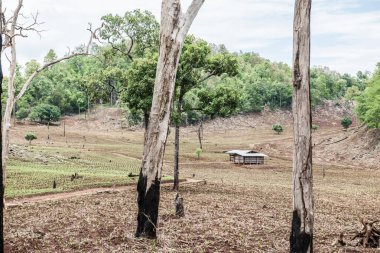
(246, 157)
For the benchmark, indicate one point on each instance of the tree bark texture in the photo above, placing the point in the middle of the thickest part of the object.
(301, 238)
(174, 27)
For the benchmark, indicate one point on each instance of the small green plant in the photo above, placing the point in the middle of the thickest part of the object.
(198, 152)
(30, 136)
(346, 122)
(277, 128)
(314, 127)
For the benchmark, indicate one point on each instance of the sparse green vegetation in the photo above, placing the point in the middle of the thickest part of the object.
(35, 176)
(277, 128)
(368, 108)
(198, 152)
(314, 127)
(30, 137)
(346, 122)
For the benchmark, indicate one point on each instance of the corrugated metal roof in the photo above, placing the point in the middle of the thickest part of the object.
(246, 153)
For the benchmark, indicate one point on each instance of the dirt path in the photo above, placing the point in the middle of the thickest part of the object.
(91, 191)
(192, 163)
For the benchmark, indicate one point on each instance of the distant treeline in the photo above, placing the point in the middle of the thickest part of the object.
(210, 81)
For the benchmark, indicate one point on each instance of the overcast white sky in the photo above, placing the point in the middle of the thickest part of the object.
(345, 33)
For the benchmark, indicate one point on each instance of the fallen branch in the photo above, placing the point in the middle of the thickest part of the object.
(369, 236)
(337, 141)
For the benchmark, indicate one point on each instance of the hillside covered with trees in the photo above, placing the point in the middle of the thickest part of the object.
(212, 81)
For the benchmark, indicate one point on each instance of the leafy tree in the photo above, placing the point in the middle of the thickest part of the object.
(368, 108)
(197, 65)
(45, 113)
(30, 137)
(174, 26)
(139, 91)
(352, 92)
(22, 113)
(346, 122)
(133, 33)
(222, 100)
(277, 128)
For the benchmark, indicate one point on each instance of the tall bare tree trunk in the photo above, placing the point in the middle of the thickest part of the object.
(301, 238)
(176, 143)
(174, 27)
(11, 95)
(2, 204)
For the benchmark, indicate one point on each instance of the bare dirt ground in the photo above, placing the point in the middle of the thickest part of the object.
(240, 210)
(230, 209)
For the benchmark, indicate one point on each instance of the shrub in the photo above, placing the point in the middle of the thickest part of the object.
(346, 122)
(45, 113)
(314, 127)
(30, 136)
(198, 152)
(277, 128)
(22, 113)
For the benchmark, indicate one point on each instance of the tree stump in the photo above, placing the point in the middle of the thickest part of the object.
(369, 236)
(179, 209)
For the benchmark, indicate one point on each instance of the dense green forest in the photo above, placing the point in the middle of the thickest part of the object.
(211, 81)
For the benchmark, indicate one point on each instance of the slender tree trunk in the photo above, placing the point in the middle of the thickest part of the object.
(48, 131)
(6, 124)
(200, 134)
(174, 27)
(2, 204)
(146, 121)
(88, 106)
(176, 143)
(301, 238)
(9, 106)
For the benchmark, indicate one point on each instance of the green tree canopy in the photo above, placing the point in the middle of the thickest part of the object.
(45, 113)
(368, 108)
(51, 56)
(221, 100)
(135, 31)
(139, 89)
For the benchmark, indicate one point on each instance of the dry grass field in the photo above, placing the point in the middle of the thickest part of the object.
(232, 208)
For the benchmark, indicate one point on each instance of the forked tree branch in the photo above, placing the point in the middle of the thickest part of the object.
(46, 65)
(191, 13)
